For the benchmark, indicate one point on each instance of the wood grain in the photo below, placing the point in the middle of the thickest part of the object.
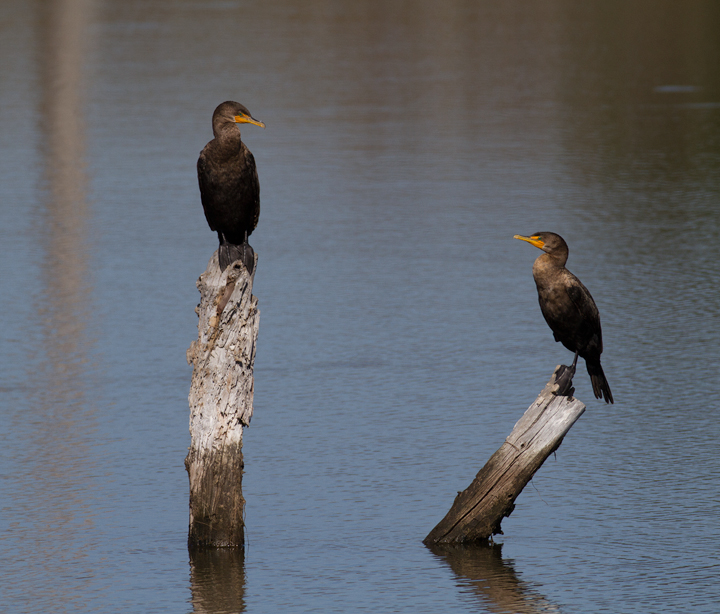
(221, 403)
(478, 511)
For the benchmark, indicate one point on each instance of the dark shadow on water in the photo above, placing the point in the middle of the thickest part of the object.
(217, 580)
(482, 572)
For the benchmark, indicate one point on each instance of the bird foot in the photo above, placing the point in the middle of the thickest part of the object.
(229, 253)
(248, 257)
(563, 381)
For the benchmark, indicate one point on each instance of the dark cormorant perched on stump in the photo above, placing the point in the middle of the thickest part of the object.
(568, 308)
(229, 186)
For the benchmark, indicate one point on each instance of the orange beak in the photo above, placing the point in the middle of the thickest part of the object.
(246, 119)
(535, 240)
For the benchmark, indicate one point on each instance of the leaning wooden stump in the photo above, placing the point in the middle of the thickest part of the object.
(221, 403)
(478, 511)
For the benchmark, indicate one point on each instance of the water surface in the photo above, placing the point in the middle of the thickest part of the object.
(400, 335)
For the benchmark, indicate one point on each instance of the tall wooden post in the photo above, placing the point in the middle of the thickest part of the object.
(221, 403)
(478, 511)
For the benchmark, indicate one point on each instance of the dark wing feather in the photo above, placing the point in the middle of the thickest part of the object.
(202, 171)
(589, 331)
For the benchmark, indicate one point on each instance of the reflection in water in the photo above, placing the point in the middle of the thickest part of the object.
(642, 141)
(493, 579)
(58, 480)
(643, 94)
(217, 580)
(65, 228)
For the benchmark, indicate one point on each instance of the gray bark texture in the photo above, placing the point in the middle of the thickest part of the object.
(478, 511)
(221, 403)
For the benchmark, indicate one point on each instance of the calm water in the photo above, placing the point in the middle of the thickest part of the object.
(400, 335)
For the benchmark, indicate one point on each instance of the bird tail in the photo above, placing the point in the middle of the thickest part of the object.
(229, 253)
(601, 388)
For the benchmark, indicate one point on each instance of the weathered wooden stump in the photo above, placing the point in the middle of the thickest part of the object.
(478, 511)
(221, 403)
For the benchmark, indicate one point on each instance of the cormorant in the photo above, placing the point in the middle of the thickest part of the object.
(568, 308)
(229, 186)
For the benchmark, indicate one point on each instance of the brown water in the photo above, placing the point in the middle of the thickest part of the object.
(400, 335)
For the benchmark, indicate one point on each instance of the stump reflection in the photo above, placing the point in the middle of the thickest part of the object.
(217, 580)
(482, 569)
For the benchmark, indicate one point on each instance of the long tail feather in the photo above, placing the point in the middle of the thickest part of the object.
(600, 385)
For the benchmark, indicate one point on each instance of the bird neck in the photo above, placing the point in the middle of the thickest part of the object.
(548, 262)
(226, 130)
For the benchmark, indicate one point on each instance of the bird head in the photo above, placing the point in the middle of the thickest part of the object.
(546, 241)
(242, 116)
(233, 112)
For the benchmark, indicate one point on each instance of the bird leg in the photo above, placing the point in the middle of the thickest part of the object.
(563, 379)
(248, 255)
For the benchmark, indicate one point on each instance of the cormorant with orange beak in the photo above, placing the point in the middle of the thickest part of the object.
(569, 309)
(229, 185)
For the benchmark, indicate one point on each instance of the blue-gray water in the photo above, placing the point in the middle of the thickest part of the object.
(400, 336)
